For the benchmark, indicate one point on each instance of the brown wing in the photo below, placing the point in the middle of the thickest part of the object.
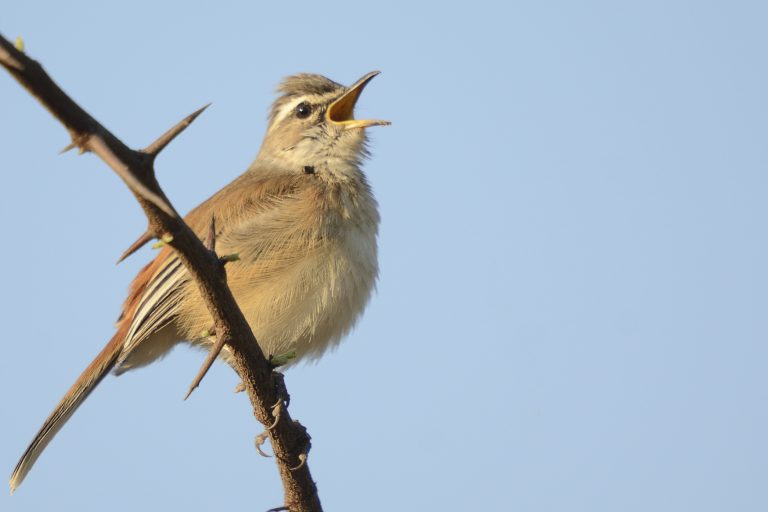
(158, 291)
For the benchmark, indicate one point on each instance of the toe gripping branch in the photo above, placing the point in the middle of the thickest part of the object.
(284, 399)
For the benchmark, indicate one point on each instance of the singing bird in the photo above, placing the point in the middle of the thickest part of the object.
(304, 222)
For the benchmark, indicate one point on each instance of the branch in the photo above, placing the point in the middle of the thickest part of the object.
(289, 439)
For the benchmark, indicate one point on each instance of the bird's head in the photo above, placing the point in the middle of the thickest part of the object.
(312, 124)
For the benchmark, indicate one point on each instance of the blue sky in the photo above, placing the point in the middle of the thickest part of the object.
(571, 308)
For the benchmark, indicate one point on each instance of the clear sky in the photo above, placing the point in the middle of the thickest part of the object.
(571, 313)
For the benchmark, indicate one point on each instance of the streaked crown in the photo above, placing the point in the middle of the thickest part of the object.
(304, 86)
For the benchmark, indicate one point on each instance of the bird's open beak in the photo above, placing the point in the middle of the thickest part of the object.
(341, 111)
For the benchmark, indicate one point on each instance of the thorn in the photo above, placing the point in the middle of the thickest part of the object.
(68, 147)
(19, 44)
(79, 141)
(260, 440)
(164, 240)
(212, 355)
(280, 509)
(240, 388)
(210, 239)
(135, 246)
(158, 145)
(302, 461)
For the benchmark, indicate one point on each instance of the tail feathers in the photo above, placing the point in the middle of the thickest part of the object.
(79, 391)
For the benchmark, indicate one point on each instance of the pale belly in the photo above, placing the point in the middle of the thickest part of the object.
(308, 307)
(303, 304)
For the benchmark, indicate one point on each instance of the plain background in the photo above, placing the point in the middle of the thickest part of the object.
(571, 309)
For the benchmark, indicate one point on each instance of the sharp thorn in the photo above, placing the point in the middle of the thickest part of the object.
(210, 358)
(158, 145)
(135, 246)
(210, 239)
(68, 147)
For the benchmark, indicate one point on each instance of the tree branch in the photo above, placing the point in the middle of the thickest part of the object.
(289, 439)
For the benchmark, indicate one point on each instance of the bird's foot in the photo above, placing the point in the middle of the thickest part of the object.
(283, 398)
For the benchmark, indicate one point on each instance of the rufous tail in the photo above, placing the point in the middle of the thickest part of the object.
(75, 396)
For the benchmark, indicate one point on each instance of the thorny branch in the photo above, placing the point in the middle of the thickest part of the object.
(289, 439)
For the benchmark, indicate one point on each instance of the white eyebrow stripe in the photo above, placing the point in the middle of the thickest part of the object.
(288, 108)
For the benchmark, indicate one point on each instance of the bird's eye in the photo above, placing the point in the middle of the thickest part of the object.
(303, 110)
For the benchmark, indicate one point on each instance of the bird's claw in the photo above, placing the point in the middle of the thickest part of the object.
(260, 440)
(302, 461)
(276, 409)
(283, 398)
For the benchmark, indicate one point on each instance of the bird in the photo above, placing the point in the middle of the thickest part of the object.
(302, 220)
